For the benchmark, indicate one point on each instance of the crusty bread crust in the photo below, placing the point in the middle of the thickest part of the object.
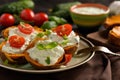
(5, 32)
(35, 63)
(71, 49)
(113, 38)
(40, 66)
(12, 57)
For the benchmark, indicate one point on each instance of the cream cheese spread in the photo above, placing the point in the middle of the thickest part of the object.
(72, 39)
(41, 55)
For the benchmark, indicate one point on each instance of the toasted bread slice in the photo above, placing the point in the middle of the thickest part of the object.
(12, 57)
(71, 49)
(5, 32)
(114, 36)
(112, 21)
(37, 65)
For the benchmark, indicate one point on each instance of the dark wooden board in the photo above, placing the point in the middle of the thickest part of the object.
(101, 38)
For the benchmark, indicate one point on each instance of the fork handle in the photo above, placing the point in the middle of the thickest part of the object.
(95, 48)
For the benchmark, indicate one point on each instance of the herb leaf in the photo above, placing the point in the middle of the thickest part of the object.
(40, 34)
(22, 24)
(5, 62)
(47, 32)
(64, 42)
(47, 46)
(51, 45)
(65, 37)
(47, 60)
(40, 46)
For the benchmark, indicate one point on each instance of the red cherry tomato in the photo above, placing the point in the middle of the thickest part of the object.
(63, 30)
(40, 18)
(68, 57)
(25, 28)
(27, 14)
(16, 41)
(7, 20)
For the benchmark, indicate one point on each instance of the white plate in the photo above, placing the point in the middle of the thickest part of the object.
(76, 61)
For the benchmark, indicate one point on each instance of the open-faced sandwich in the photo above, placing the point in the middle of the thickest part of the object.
(23, 29)
(45, 54)
(18, 39)
(52, 47)
(44, 49)
(114, 36)
(65, 36)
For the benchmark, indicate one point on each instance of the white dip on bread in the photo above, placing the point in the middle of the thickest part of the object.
(28, 37)
(15, 31)
(72, 39)
(52, 55)
(7, 48)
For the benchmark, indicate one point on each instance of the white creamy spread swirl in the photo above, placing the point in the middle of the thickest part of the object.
(72, 38)
(16, 31)
(41, 55)
(7, 48)
(28, 38)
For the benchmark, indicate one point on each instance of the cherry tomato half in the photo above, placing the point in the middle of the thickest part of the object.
(25, 28)
(27, 14)
(40, 18)
(16, 41)
(7, 20)
(63, 30)
(68, 57)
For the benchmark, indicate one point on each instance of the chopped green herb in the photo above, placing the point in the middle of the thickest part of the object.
(47, 60)
(6, 38)
(40, 34)
(47, 46)
(5, 62)
(51, 45)
(65, 37)
(64, 42)
(47, 32)
(22, 24)
(40, 46)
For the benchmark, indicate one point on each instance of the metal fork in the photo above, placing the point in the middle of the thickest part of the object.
(95, 48)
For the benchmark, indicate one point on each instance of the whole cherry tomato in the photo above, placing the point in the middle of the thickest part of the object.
(25, 28)
(40, 18)
(16, 41)
(63, 30)
(27, 14)
(7, 20)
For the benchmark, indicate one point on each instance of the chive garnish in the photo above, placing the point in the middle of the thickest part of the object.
(47, 60)
(47, 46)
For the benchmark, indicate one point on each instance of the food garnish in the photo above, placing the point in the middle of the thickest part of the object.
(47, 46)
(16, 41)
(25, 28)
(64, 29)
(47, 60)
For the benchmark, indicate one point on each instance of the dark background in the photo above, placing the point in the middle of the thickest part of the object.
(45, 5)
